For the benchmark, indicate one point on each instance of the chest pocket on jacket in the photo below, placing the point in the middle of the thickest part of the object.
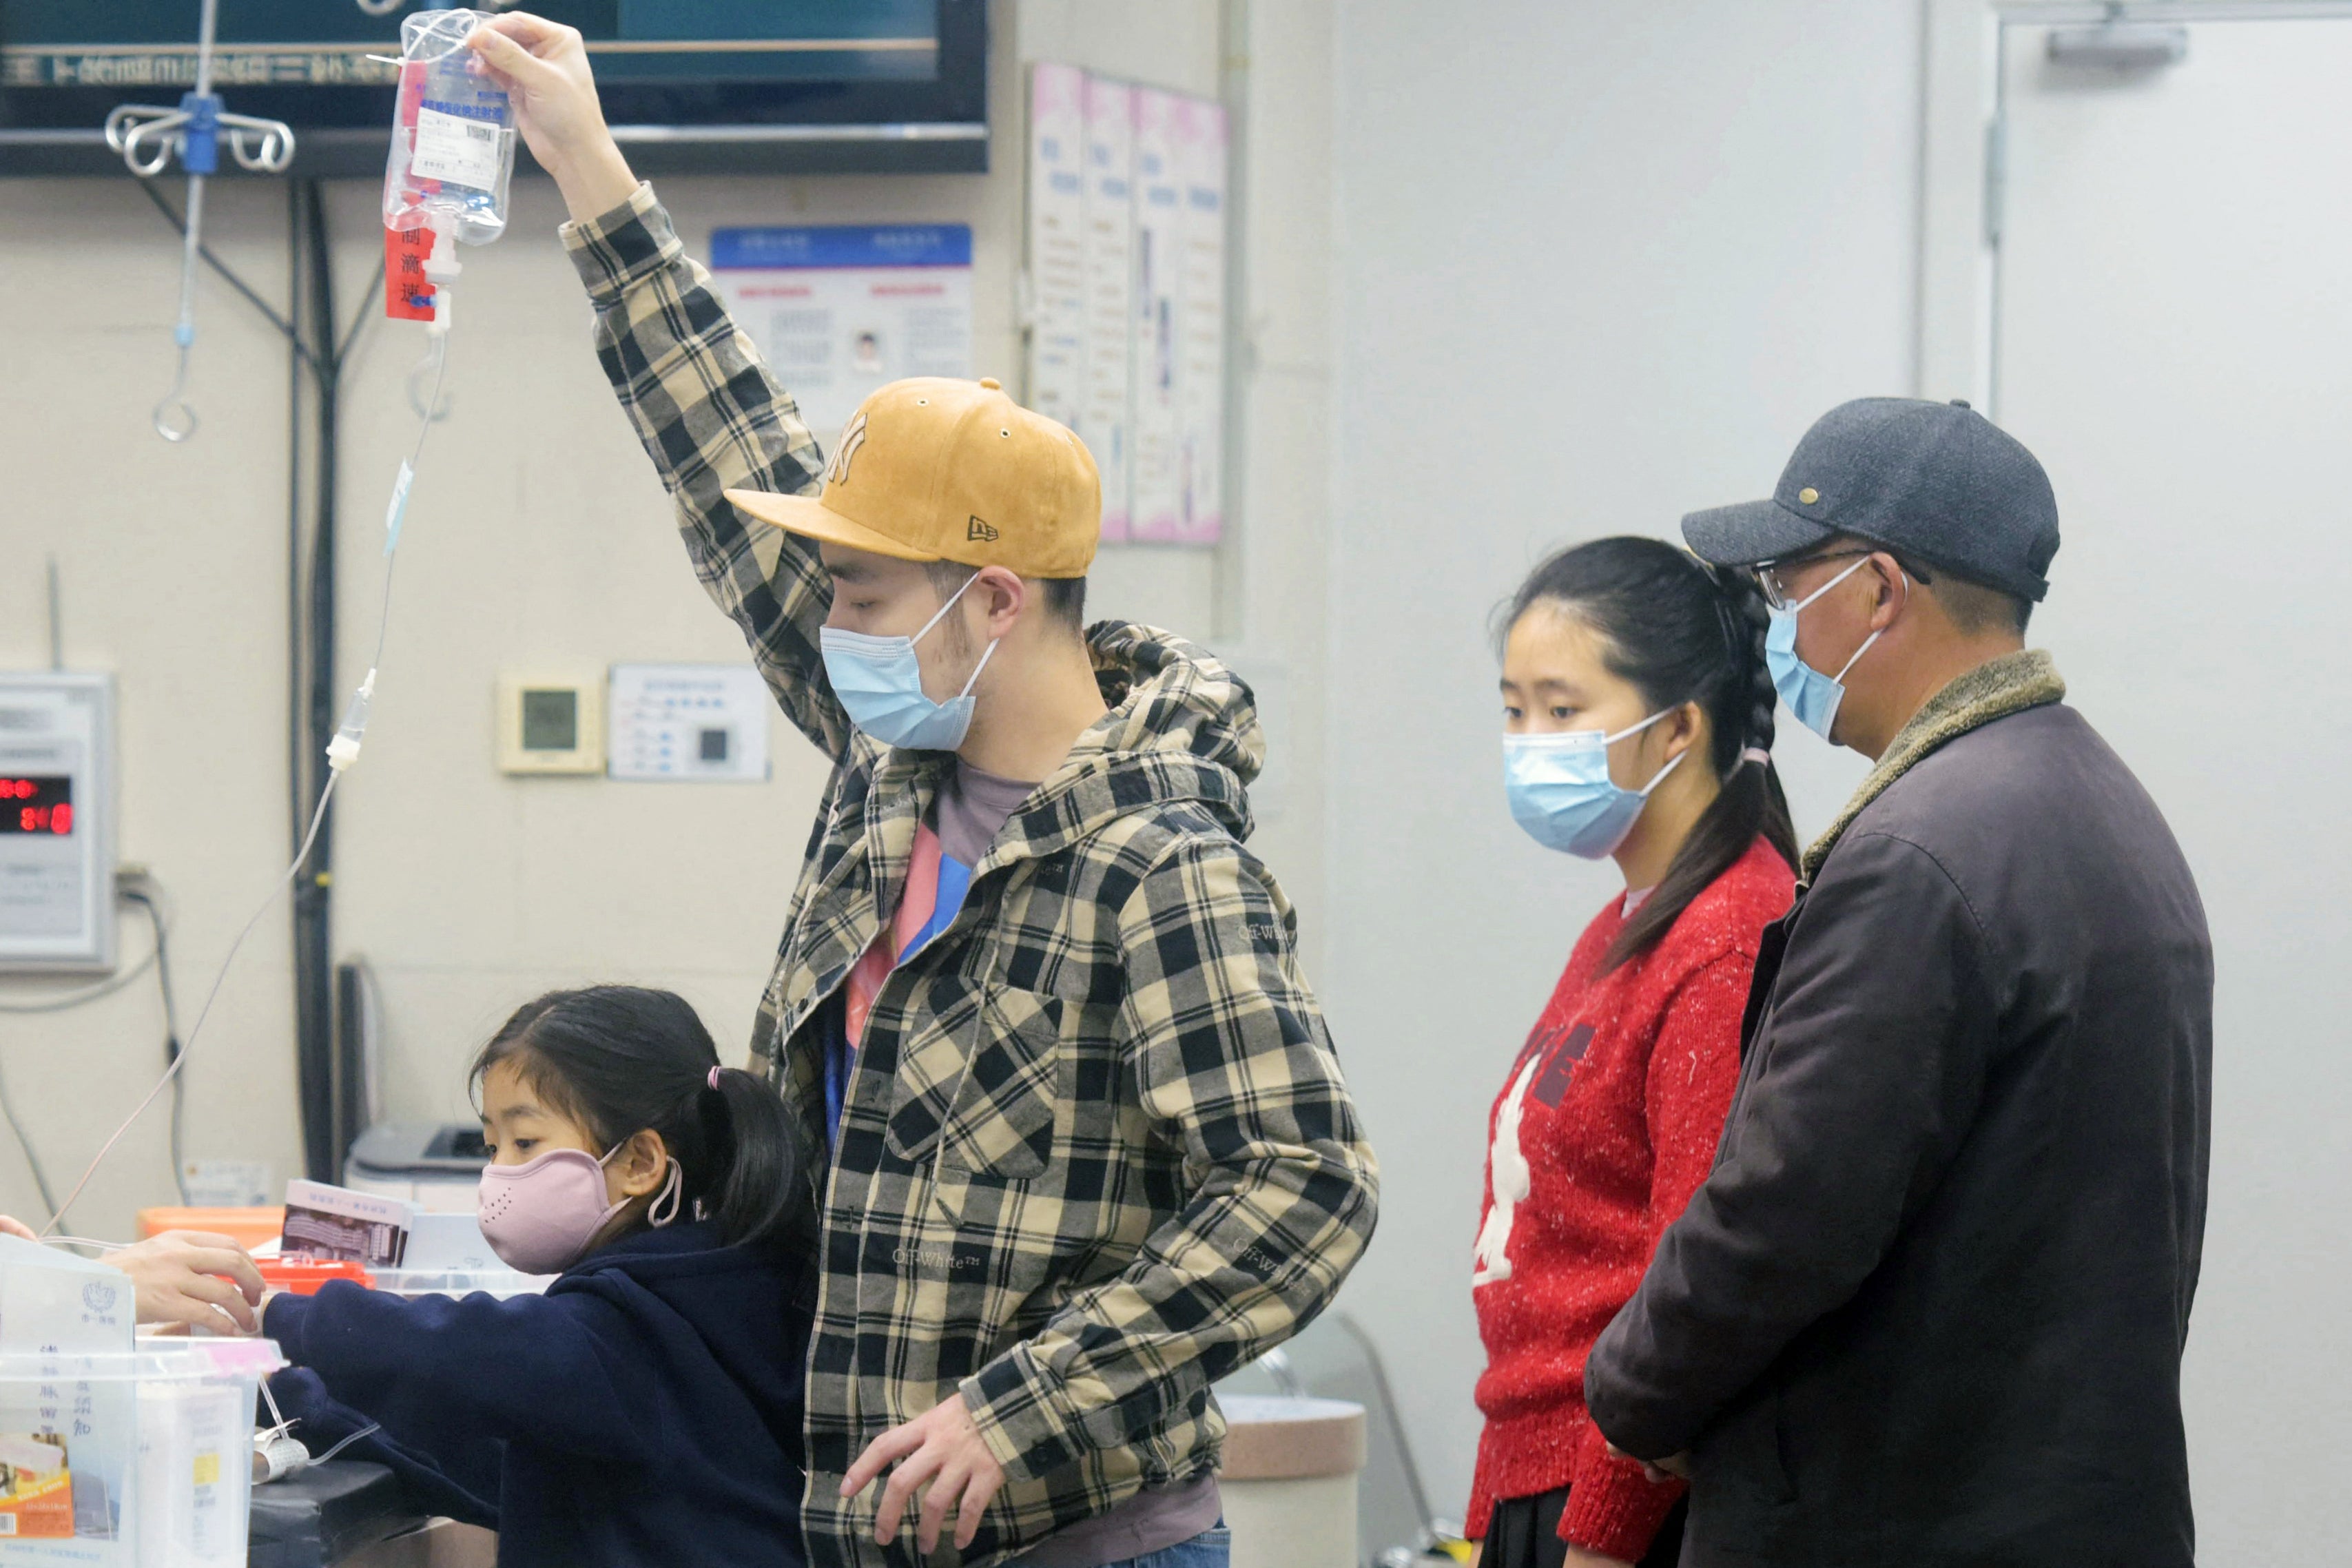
(980, 1088)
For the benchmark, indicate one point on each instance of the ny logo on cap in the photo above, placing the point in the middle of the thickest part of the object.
(852, 435)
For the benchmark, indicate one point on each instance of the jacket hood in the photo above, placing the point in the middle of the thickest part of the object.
(1181, 727)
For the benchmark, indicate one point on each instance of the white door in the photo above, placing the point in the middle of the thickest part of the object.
(2173, 337)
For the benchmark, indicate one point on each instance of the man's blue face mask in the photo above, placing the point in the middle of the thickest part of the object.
(880, 683)
(1813, 696)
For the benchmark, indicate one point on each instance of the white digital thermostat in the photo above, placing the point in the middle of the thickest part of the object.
(57, 821)
(552, 726)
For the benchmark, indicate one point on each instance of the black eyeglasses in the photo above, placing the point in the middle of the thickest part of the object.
(1779, 595)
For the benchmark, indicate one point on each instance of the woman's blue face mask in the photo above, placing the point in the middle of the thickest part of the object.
(1813, 696)
(880, 684)
(1561, 792)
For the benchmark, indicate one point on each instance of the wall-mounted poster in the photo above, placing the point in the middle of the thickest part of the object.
(837, 311)
(1057, 244)
(1107, 415)
(1144, 319)
(1159, 205)
(1199, 153)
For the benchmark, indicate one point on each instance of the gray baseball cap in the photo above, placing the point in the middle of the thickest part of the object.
(1936, 481)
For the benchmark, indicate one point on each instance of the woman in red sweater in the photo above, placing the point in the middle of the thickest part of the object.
(1638, 725)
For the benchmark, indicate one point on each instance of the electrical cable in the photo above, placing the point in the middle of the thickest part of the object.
(172, 1073)
(146, 900)
(24, 1142)
(66, 1002)
(341, 755)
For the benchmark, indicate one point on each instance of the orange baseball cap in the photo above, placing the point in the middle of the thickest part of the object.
(932, 469)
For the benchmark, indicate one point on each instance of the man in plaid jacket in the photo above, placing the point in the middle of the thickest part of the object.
(1089, 1149)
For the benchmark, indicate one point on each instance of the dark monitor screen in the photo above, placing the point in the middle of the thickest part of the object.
(716, 85)
(550, 720)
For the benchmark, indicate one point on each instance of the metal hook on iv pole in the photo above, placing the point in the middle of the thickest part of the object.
(147, 135)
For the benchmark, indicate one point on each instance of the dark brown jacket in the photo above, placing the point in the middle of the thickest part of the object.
(1929, 1307)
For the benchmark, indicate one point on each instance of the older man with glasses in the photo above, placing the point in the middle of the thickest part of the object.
(1930, 1306)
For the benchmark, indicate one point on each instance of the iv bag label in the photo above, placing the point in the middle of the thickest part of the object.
(407, 293)
(452, 148)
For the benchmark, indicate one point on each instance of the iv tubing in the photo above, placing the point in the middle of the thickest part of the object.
(181, 1060)
(354, 726)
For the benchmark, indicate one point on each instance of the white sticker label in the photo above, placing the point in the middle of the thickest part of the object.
(399, 506)
(452, 148)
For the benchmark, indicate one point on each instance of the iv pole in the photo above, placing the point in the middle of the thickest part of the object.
(147, 135)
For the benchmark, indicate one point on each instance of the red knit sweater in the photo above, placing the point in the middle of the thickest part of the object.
(1606, 1125)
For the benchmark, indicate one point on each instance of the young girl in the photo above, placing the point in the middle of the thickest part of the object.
(647, 1407)
(1638, 726)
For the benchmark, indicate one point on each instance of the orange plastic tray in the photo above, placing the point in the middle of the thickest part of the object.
(303, 1276)
(248, 1228)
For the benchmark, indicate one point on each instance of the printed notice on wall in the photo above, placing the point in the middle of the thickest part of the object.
(1057, 244)
(686, 723)
(1133, 346)
(1200, 156)
(1158, 203)
(836, 312)
(1107, 417)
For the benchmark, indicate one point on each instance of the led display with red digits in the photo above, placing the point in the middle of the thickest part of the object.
(36, 805)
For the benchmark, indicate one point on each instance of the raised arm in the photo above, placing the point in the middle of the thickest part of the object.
(708, 412)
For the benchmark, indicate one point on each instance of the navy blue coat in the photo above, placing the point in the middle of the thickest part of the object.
(646, 1409)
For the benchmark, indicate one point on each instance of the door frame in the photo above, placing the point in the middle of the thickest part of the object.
(1961, 168)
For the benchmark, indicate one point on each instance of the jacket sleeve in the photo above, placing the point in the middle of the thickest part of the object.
(1231, 1060)
(448, 1372)
(714, 418)
(1612, 1507)
(1870, 1064)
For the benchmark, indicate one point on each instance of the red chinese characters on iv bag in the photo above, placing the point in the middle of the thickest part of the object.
(407, 293)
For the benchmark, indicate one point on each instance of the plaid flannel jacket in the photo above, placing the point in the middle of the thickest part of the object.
(1097, 1153)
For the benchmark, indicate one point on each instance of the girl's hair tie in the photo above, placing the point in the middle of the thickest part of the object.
(1757, 754)
(713, 1079)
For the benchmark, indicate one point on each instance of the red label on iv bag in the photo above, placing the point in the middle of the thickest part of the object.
(407, 293)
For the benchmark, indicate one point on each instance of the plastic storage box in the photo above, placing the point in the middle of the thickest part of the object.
(141, 1459)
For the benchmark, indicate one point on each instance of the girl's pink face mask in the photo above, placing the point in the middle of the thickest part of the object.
(540, 1216)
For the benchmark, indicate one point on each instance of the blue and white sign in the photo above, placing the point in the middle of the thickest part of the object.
(685, 723)
(838, 311)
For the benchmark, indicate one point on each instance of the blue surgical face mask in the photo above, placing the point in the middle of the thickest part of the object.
(880, 683)
(1811, 696)
(1561, 791)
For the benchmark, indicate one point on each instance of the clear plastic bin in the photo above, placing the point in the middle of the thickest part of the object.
(136, 1460)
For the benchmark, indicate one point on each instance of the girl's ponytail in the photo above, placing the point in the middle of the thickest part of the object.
(620, 1059)
(755, 1168)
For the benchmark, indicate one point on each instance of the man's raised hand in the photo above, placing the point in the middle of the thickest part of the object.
(543, 66)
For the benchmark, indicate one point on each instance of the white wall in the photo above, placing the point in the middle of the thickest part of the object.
(1599, 264)
(536, 537)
